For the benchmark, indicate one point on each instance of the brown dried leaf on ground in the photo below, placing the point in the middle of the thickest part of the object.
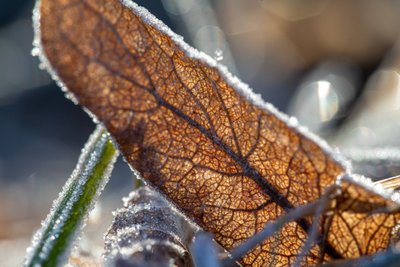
(229, 162)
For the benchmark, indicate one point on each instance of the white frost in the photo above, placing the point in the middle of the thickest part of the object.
(234, 81)
(39, 52)
(146, 220)
(70, 194)
(373, 187)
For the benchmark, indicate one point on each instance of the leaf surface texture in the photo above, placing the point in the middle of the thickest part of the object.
(229, 163)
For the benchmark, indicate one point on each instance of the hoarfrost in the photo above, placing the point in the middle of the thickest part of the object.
(374, 162)
(147, 223)
(219, 55)
(53, 226)
(39, 52)
(375, 188)
(233, 81)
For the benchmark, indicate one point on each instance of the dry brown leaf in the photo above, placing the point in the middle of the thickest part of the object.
(364, 218)
(229, 162)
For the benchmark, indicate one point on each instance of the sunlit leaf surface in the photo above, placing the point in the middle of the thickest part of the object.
(229, 161)
(364, 218)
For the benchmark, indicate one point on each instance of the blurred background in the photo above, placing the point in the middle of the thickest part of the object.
(333, 64)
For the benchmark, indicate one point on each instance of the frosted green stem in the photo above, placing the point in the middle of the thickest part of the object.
(52, 244)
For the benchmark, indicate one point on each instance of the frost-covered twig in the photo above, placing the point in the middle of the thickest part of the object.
(204, 251)
(313, 233)
(52, 244)
(148, 232)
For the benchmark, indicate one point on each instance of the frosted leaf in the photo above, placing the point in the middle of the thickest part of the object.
(231, 79)
(225, 145)
(52, 243)
(191, 52)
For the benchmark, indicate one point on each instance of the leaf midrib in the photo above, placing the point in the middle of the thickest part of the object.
(248, 170)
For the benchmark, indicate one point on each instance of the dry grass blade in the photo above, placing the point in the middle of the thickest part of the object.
(392, 183)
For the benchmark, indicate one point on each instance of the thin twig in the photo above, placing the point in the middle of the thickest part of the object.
(312, 235)
(271, 228)
(204, 252)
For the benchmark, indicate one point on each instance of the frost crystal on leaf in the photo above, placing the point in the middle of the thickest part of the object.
(226, 159)
(231, 79)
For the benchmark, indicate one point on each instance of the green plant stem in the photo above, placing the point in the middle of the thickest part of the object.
(52, 244)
